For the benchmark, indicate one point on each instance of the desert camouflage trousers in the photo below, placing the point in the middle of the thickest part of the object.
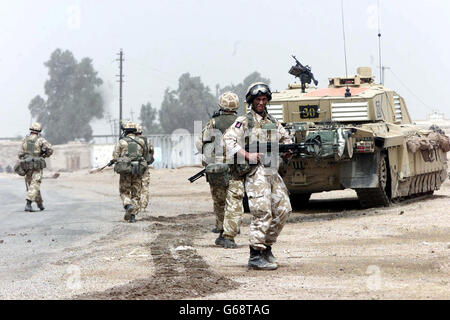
(270, 207)
(145, 193)
(130, 191)
(219, 195)
(33, 180)
(234, 208)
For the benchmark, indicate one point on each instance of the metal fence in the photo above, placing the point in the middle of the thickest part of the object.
(175, 150)
(171, 150)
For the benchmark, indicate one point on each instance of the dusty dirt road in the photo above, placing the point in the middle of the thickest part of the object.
(330, 250)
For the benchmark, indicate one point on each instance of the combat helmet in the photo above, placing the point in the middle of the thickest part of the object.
(129, 127)
(229, 101)
(36, 127)
(257, 89)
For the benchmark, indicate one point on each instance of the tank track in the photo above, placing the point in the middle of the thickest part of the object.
(419, 186)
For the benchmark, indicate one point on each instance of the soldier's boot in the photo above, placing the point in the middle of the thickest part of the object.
(229, 244)
(40, 206)
(258, 261)
(269, 255)
(128, 209)
(132, 218)
(28, 206)
(215, 230)
(220, 240)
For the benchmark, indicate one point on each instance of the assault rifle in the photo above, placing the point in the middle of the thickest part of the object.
(302, 148)
(44, 152)
(303, 73)
(308, 148)
(110, 163)
(197, 176)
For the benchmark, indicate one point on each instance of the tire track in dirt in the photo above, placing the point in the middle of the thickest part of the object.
(180, 272)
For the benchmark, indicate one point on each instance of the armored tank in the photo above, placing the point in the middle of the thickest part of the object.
(361, 137)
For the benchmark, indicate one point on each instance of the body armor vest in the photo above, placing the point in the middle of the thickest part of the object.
(262, 132)
(224, 121)
(133, 151)
(31, 146)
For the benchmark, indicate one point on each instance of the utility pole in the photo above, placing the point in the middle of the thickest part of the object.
(108, 118)
(120, 75)
(132, 113)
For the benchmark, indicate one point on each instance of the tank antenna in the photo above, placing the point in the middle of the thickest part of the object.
(347, 91)
(379, 44)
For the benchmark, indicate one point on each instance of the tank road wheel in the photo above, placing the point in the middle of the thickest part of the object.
(299, 200)
(381, 195)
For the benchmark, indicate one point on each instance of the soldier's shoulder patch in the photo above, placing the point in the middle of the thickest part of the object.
(238, 124)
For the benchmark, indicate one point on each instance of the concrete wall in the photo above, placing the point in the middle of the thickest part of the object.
(70, 156)
(9, 149)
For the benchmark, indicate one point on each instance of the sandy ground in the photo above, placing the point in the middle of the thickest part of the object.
(330, 250)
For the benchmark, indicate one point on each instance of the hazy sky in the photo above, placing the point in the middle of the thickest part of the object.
(222, 42)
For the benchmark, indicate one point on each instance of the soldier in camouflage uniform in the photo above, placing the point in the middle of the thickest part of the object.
(145, 192)
(34, 149)
(210, 143)
(267, 194)
(129, 157)
(234, 210)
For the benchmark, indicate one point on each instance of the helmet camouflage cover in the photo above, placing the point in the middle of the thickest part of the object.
(257, 89)
(36, 126)
(229, 101)
(128, 125)
(138, 128)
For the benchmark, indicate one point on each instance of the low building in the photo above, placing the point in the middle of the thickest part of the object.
(437, 119)
(71, 156)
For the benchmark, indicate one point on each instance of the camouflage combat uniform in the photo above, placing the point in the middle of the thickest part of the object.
(233, 208)
(212, 130)
(130, 186)
(145, 191)
(34, 145)
(267, 194)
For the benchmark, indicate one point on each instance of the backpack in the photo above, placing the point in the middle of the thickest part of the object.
(31, 160)
(133, 162)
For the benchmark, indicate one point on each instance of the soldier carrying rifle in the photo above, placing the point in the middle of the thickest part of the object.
(31, 164)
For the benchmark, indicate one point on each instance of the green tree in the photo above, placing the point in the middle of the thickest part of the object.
(241, 88)
(73, 99)
(192, 101)
(148, 116)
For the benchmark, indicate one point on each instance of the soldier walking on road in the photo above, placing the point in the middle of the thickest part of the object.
(267, 194)
(34, 149)
(130, 162)
(211, 146)
(145, 193)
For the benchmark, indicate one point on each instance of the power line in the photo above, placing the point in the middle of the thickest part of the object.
(410, 91)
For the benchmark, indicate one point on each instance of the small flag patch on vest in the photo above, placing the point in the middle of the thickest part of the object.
(238, 124)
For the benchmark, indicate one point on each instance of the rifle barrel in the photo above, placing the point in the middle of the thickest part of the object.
(197, 176)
